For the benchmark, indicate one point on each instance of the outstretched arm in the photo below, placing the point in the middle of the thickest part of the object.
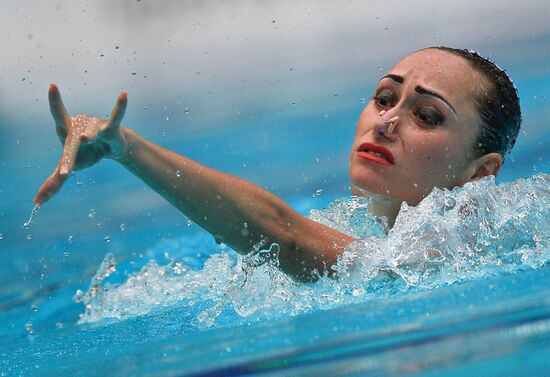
(233, 210)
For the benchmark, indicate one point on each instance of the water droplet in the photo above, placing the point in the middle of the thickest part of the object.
(34, 308)
(107, 239)
(28, 328)
(178, 173)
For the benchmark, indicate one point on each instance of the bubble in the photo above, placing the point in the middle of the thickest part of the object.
(122, 227)
(415, 185)
(34, 308)
(318, 192)
(91, 214)
(449, 203)
(107, 239)
(29, 236)
(134, 73)
(70, 239)
(66, 253)
(187, 111)
(1, 236)
(178, 173)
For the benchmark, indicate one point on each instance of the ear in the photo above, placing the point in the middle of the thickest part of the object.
(488, 164)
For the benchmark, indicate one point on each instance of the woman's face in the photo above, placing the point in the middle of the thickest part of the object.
(432, 92)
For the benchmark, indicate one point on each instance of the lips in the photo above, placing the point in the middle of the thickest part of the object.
(375, 153)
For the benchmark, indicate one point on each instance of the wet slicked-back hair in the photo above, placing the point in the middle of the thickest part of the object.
(498, 104)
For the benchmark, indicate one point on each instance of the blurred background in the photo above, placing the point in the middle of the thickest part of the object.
(267, 90)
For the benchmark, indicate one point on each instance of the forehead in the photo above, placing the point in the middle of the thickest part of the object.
(442, 71)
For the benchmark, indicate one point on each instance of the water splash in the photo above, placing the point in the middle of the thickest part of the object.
(34, 211)
(477, 231)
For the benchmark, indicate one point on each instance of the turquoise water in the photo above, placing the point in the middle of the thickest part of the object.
(460, 285)
(110, 280)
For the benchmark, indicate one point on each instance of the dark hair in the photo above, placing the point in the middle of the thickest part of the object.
(498, 104)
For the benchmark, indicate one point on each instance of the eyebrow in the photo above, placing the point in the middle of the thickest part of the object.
(419, 89)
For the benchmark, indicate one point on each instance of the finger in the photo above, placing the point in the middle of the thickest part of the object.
(50, 187)
(118, 111)
(59, 113)
(70, 150)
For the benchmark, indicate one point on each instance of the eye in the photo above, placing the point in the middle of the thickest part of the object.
(430, 116)
(384, 98)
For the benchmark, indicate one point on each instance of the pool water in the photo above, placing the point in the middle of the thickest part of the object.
(108, 279)
(482, 302)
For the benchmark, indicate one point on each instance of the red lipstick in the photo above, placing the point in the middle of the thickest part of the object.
(375, 153)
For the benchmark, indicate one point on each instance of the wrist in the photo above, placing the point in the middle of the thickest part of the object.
(121, 151)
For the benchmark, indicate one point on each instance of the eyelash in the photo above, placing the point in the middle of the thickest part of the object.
(431, 119)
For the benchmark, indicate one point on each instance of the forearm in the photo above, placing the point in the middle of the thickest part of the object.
(234, 211)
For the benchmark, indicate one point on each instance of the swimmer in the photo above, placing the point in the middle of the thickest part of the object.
(440, 117)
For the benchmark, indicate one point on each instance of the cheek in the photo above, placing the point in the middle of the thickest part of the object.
(433, 156)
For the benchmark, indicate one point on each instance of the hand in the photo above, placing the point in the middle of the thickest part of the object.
(86, 140)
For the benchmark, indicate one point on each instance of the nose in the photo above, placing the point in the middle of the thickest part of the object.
(387, 124)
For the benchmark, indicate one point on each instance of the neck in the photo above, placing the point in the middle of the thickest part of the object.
(380, 205)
